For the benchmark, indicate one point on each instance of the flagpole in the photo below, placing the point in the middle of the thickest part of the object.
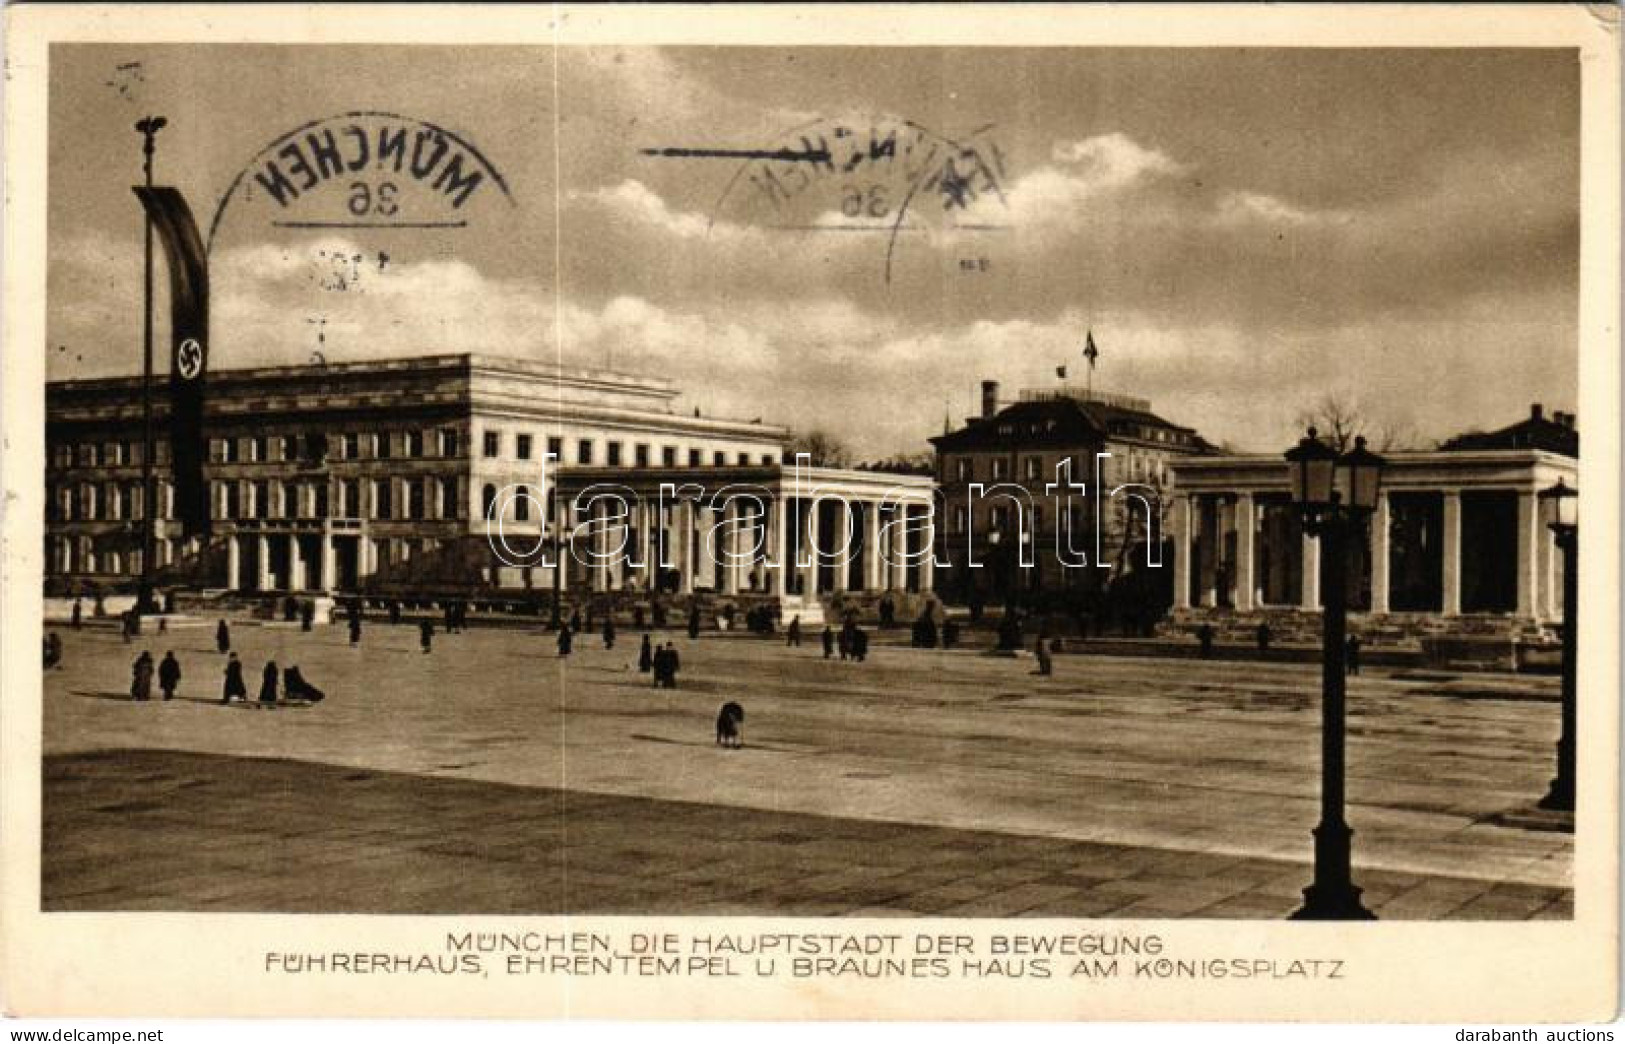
(148, 128)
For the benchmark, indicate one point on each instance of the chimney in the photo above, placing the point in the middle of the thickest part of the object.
(1568, 421)
(1557, 418)
(1535, 411)
(990, 398)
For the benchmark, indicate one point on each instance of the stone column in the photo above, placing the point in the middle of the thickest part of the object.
(1311, 573)
(600, 545)
(1529, 541)
(683, 524)
(1210, 534)
(262, 568)
(329, 563)
(1548, 572)
(234, 563)
(296, 564)
(732, 515)
(779, 574)
(1379, 555)
(873, 563)
(1182, 551)
(844, 526)
(1452, 554)
(1246, 528)
(928, 562)
(810, 535)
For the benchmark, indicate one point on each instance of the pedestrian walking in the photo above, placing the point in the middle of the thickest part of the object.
(222, 637)
(355, 629)
(693, 621)
(860, 644)
(235, 688)
(1352, 659)
(566, 638)
(829, 642)
(1204, 637)
(609, 633)
(268, 683)
(394, 611)
(141, 677)
(307, 614)
(646, 656)
(575, 621)
(425, 635)
(127, 625)
(844, 642)
(673, 662)
(793, 632)
(78, 614)
(169, 675)
(53, 650)
(1042, 650)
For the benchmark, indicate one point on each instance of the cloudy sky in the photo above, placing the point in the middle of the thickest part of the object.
(1243, 230)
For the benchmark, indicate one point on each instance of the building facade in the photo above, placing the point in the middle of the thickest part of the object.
(339, 476)
(1003, 527)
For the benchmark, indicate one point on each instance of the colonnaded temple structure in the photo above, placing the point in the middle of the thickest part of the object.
(1457, 547)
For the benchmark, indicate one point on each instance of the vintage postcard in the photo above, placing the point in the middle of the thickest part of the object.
(975, 512)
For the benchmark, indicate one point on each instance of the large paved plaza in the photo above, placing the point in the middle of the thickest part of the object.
(490, 776)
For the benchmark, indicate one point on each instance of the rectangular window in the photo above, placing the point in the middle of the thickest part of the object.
(961, 518)
(257, 449)
(719, 458)
(997, 516)
(414, 444)
(1033, 468)
(767, 459)
(668, 456)
(491, 444)
(742, 458)
(381, 445)
(262, 499)
(640, 455)
(415, 506)
(318, 497)
(522, 447)
(448, 442)
(234, 500)
(231, 451)
(381, 506)
(555, 449)
(584, 451)
(998, 469)
(521, 505)
(113, 454)
(615, 454)
(290, 500)
(350, 498)
(693, 458)
(448, 498)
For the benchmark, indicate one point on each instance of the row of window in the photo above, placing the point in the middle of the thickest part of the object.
(386, 498)
(104, 501)
(105, 454)
(494, 446)
(1035, 468)
(315, 447)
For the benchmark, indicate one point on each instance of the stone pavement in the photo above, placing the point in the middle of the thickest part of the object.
(489, 776)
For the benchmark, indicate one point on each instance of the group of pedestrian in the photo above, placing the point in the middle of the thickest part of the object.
(455, 616)
(664, 664)
(168, 671)
(853, 642)
(276, 685)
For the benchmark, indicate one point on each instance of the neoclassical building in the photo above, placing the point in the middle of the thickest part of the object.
(328, 477)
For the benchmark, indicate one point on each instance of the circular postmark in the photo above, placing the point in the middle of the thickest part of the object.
(884, 179)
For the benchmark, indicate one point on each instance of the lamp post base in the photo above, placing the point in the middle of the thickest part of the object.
(1321, 903)
(1333, 896)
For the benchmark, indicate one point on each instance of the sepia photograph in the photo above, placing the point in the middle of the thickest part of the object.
(905, 512)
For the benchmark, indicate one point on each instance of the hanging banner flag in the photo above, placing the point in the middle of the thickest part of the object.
(189, 349)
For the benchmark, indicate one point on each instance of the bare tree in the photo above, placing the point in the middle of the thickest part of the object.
(1339, 420)
(824, 449)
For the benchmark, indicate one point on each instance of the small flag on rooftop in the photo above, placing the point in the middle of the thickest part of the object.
(1090, 352)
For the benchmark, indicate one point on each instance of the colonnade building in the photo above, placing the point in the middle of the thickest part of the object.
(1457, 545)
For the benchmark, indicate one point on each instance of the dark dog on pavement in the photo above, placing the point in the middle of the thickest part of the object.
(731, 725)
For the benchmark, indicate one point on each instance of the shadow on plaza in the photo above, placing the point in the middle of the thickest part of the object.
(186, 831)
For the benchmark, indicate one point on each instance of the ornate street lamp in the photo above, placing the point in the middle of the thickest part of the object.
(1334, 495)
(1561, 506)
